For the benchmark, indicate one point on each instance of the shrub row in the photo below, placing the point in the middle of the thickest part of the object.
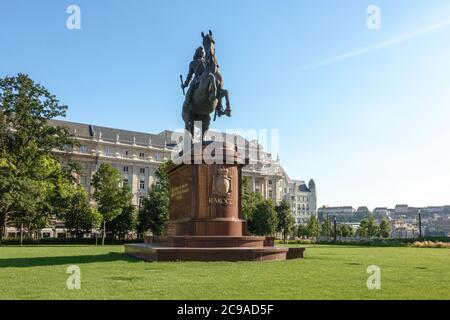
(369, 242)
(431, 244)
(67, 241)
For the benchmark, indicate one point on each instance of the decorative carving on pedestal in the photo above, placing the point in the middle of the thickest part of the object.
(222, 183)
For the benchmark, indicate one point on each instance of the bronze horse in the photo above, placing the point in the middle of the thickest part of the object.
(208, 93)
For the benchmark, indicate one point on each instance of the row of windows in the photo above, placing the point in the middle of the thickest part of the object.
(141, 170)
(141, 183)
(109, 153)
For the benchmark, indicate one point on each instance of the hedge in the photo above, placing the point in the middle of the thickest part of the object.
(66, 241)
(370, 242)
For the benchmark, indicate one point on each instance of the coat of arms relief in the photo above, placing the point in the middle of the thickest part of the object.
(222, 182)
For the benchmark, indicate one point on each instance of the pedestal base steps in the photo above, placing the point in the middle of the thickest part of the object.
(211, 249)
(205, 213)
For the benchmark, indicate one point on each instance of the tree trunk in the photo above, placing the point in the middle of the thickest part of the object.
(104, 232)
(21, 233)
(3, 227)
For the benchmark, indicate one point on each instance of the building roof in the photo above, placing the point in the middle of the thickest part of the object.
(111, 134)
(333, 208)
(304, 188)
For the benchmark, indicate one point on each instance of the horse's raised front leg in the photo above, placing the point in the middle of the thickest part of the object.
(227, 102)
(223, 93)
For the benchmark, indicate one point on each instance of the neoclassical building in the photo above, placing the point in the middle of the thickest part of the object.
(137, 155)
(302, 198)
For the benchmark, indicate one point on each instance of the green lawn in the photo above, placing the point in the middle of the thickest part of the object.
(327, 272)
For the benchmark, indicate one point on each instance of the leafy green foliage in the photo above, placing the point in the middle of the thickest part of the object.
(326, 228)
(29, 171)
(249, 199)
(80, 218)
(344, 230)
(368, 228)
(154, 212)
(264, 220)
(384, 229)
(285, 219)
(313, 227)
(124, 223)
(110, 196)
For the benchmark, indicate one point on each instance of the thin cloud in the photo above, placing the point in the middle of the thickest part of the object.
(378, 46)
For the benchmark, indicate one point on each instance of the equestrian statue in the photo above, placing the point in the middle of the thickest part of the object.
(206, 88)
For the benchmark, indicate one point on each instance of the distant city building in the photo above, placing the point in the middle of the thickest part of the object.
(343, 212)
(302, 198)
(401, 209)
(362, 211)
(381, 212)
(402, 229)
(404, 220)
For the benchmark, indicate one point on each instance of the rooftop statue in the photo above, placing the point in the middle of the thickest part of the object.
(206, 88)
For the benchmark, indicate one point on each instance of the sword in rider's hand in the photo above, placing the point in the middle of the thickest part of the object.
(182, 84)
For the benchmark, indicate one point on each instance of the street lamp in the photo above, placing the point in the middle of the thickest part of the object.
(335, 229)
(420, 227)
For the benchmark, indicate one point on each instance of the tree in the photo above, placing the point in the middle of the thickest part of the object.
(285, 219)
(368, 227)
(264, 221)
(313, 227)
(110, 196)
(344, 230)
(26, 143)
(79, 217)
(250, 199)
(154, 212)
(124, 222)
(372, 227)
(302, 231)
(384, 229)
(39, 200)
(294, 231)
(326, 229)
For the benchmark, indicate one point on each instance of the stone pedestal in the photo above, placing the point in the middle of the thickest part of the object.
(205, 215)
(206, 201)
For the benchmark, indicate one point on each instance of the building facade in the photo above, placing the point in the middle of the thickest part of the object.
(137, 155)
(302, 199)
(331, 212)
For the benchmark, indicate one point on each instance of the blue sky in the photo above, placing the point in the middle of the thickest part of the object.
(371, 128)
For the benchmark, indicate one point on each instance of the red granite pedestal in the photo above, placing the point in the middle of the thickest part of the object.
(205, 214)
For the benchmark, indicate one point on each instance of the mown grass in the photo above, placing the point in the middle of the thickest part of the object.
(327, 272)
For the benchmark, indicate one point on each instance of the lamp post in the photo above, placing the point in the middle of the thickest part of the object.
(335, 229)
(420, 227)
(328, 227)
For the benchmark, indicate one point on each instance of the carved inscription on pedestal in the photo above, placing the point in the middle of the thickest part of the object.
(180, 194)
